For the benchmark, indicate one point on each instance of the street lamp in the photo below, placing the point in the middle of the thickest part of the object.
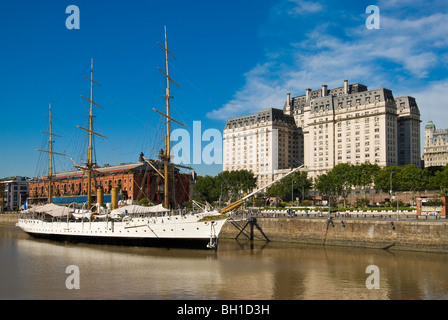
(396, 199)
(221, 195)
(391, 187)
(292, 192)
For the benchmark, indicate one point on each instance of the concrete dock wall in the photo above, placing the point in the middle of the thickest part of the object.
(405, 235)
(8, 217)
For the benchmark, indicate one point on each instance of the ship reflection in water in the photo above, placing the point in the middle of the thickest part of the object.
(36, 269)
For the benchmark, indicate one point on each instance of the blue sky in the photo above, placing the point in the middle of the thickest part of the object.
(233, 58)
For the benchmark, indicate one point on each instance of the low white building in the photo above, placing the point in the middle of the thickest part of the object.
(436, 146)
(15, 192)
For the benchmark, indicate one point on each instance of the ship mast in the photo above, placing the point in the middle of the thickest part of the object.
(90, 164)
(50, 155)
(167, 137)
(166, 156)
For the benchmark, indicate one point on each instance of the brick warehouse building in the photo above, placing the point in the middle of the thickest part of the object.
(135, 181)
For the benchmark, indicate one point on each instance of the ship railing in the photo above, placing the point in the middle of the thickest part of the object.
(170, 213)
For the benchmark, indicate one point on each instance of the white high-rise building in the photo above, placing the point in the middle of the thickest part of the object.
(264, 143)
(347, 124)
(409, 151)
(351, 124)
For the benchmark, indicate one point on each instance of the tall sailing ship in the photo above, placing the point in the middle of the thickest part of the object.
(159, 225)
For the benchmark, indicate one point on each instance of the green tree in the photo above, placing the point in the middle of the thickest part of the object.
(363, 175)
(236, 182)
(410, 178)
(342, 176)
(441, 180)
(327, 185)
(293, 186)
(144, 202)
(430, 179)
(205, 189)
(382, 178)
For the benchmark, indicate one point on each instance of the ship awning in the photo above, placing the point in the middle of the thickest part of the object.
(51, 209)
(139, 209)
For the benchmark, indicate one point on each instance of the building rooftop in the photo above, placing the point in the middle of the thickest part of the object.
(271, 114)
(430, 126)
(106, 169)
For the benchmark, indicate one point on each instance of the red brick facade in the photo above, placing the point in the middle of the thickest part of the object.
(134, 182)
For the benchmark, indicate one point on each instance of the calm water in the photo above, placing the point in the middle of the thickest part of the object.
(36, 269)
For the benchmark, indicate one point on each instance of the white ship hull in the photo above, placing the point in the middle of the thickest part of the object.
(175, 231)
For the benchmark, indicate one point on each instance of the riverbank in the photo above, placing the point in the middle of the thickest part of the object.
(9, 217)
(411, 234)
(415, 235)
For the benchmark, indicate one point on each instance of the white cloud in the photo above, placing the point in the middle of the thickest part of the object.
(400, 56)
(395, 3)
(413, 5)
(304, 7)
(260, 92)
(433, 102)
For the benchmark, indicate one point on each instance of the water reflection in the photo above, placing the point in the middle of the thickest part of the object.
(35, 269)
